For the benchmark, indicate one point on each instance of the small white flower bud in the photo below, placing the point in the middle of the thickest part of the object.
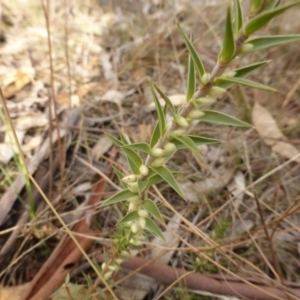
(130, 178)
(205, 101)
(216, 91)
(133, 187)
(144, 170)
(142, 223)
(246, 48)
(125, 253)
(132, 207)
(134, 200)
(143, 213)
(169, 147)
(136, 242)
(103, 266)
(134, 228)
(158, 162)
(168, 125)
(178, 132)
(181, 121)
(229, 74)
(107, 275)
(113, 268)
(119, 261)
(205, 78)
(195, 114)
(157, 152)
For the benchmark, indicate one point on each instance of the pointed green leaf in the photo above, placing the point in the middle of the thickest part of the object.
(152, 227)
(166, 99)
(169, 178)
(191, 82)
(238, 17)
(245, 82)
(152, 209)
(143, 147)
(155, 136)
(256, 5)
(193, 53)
(242, 73)
(129, 217)
(142, 185)
(228, 48)
(124, 139)
(198, 140)
(117, 142)
(264, 18)
(264, 42)
(134, 160)
(185, 140)
(160, 113)
(271, 4)
(220, 118)
(120, 196)
(154, 180)
(120, 175)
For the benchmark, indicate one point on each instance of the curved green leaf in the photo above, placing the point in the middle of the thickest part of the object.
(117, 142)
(245, 82)
(118, 197)
(160, 113)
(167, 175)
(198, 140)
(271, 4)
(264, 42)
(191, 82)
(242, 73)
(134, 160)
(120, 175)
(264, 18)
(155, 136)
(166, 99)
(220, 118)
(142, 185)
(143, 147)
(228, 48)
(189, 143)
(152, 227)
(256, 5)
(238, 17)
(152, 209)
(193, 53)
(129, 217)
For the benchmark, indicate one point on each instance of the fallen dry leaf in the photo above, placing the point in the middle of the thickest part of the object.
(269, 131)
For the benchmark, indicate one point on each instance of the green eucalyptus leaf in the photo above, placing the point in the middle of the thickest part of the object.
(152, 227)
(117, 142)
(160, 113)
(189, 143)
(238, 16)
(198, 140)
(242, 73)
(118, 197)
(264, 42)
(152, 209)
(264, 18)
(129, 217)
(142, 147)
(191, 81)
(155, 136)
(193, 53)
(256, 5)
(120, 175)
(245, 82)
(228, 48)
(166, 99)
(221, 118)
(167, 175)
